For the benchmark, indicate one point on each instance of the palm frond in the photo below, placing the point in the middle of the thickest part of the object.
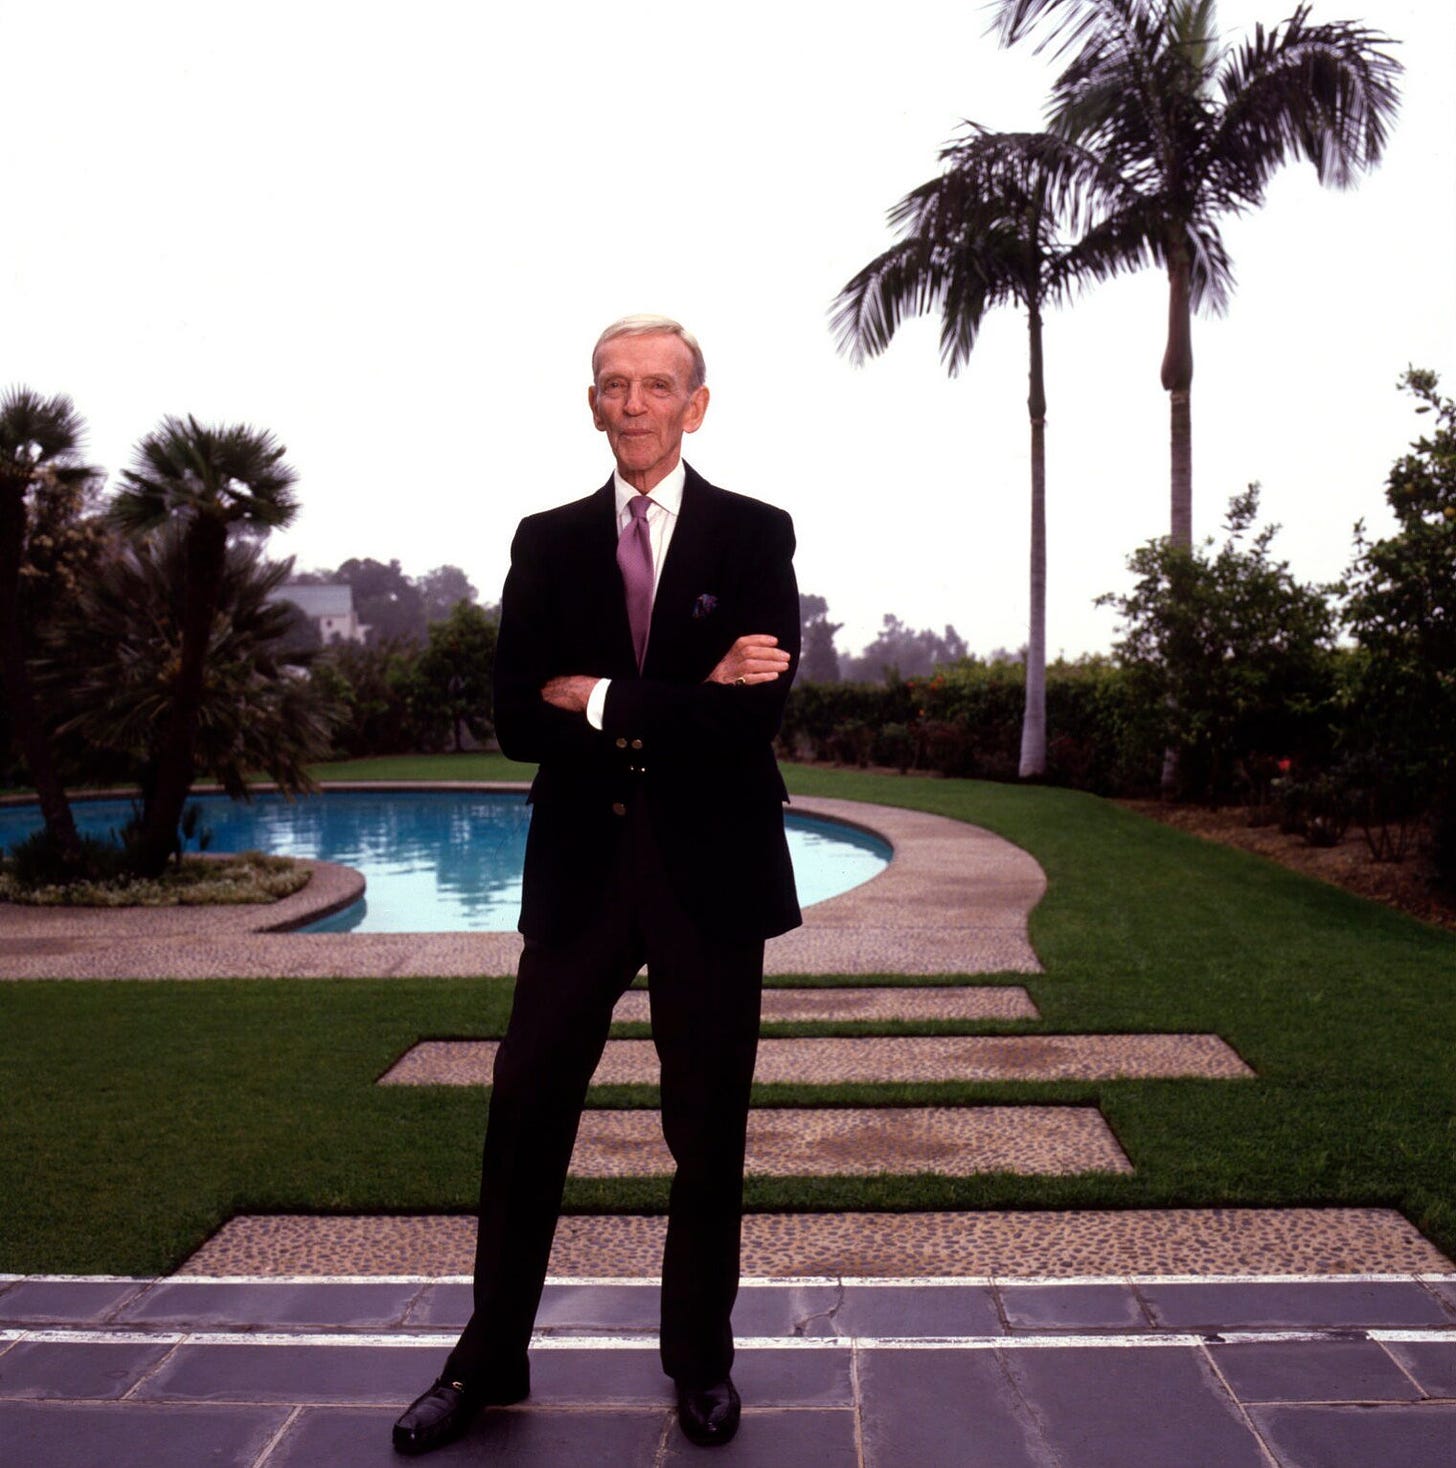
(36, 431)
(904, 281)
(1327, 93)
(231, 474)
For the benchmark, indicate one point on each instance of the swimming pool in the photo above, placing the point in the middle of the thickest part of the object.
(438, 860)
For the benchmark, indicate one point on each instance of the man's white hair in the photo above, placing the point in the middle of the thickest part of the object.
(651, 326)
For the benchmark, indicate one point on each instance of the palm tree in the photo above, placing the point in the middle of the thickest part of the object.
(117, 682)
(212, 482)
(39, 447)
(1195, 130)
(987, 233)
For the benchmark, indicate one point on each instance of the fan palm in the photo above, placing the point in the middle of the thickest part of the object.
(212, 482)
(39, 444)
(1195, 129)
(120, 681)
(988, 232)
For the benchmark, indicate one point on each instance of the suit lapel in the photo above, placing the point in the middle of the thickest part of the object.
(688, 560)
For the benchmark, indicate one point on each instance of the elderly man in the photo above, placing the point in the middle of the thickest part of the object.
(647, 641)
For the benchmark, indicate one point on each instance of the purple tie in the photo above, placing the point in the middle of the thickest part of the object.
(634, 556)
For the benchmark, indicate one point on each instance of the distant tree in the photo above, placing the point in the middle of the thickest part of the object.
(1236, 653)
(899, 652)
(1195, 129)
(213, 484)
(1400, 605)
(255, 713)
(376, 689)
(1008, 222)
(386, 601)
(40, 467)
(818, 658)
(443, 589)
(453, 676)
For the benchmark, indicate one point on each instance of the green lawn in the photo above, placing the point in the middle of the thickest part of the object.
(139, 1116)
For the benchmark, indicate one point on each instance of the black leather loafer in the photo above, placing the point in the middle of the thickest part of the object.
(441, 1414)
(709, 1415)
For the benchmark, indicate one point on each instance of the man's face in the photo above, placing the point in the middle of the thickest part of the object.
(641, 401)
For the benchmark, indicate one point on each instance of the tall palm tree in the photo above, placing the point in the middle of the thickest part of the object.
(988, 232)
(39, 442)
(1195, 129)
(212, 482)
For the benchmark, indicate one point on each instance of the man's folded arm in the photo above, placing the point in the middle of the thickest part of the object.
(717, 714)
(527, 727)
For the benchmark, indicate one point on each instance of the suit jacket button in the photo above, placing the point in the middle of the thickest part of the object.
(618, 809)
(621, 744)
(636, 744)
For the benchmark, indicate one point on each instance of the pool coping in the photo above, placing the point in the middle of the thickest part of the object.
(955, 899)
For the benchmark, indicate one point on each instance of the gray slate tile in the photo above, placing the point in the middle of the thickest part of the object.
(55, 1435)
(919, 1311)
(953, 1409)
(249, 1373)
(63, 1301)
(598, 1308)
(1360, 1437)
(785, 1378)
(522, 1437)
(1445, 1288)
(1311, 1371)
(1112, 1407)
(204, 1305)
(1317, 1304)
(776, 1439)
(102, 1370)
(798, 1310)
(441, 1307)
(1432, 1363)
(1049, 1308)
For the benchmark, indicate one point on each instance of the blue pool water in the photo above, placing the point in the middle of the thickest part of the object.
(438, 860)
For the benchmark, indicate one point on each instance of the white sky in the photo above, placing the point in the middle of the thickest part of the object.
(390, 235)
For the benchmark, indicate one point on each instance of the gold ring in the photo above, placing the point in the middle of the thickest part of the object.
(740, 680)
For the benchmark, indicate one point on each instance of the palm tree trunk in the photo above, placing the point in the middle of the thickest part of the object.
(1033, 719)
(1178, 381)
(206, 550)
(25, 720)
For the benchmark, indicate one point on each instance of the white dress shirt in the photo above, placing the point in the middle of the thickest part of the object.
(664, 507)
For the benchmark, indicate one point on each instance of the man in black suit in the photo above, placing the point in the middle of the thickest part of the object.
(647, 641)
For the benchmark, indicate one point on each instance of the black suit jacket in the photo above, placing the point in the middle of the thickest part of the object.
(699, 755)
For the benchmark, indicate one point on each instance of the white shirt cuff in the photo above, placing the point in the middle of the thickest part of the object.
(596, 703)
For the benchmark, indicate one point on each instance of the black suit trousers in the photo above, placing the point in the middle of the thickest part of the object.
(705, 996)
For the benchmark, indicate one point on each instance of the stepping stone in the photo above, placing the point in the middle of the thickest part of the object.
(847, 1142)
(1029, 1244)
(960, 1001)
(877, 1058)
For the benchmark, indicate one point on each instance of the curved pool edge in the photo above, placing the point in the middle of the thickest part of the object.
(331, 887)
(955, 900)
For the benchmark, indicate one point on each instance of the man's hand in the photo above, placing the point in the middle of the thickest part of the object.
(570, 692)
(756, 658)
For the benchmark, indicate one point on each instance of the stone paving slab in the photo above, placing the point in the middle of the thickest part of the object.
(955, 899)
(1071, 1244)
(872, 1058)
(120, 1435)
(1357, 1435)
(855, 1401)
(936, 1002)
(953, 1141)
(1285, 1371)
